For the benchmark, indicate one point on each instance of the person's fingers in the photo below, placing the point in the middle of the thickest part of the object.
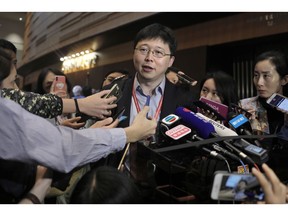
(114, 123)
(271, 177)
(145, 110)
(104, 92)
(107, 112)
(262, 181)
(111, 99)
(106, 121)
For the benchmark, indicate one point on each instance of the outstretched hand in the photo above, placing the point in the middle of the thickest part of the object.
(142, 127)
(275, 192)
(96, 105)
(106, 123)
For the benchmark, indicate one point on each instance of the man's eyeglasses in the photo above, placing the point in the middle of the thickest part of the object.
(156, 53)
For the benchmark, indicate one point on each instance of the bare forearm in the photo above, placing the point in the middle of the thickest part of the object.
(68, 106)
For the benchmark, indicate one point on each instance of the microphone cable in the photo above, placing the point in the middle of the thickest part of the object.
(218, 156)
(241, 154)
(226, 152)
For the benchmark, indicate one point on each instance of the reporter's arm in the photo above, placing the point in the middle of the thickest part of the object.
(29, 138)
(41, 187)
(93, 105)
(46, 106)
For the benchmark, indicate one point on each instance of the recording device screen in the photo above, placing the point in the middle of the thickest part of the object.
(237, 187)
(279, 101)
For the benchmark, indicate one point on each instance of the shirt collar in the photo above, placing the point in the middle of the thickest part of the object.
(158, 90)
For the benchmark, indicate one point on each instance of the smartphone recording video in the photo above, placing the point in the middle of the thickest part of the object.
(279, 101)
(236, 187)
(60, 86)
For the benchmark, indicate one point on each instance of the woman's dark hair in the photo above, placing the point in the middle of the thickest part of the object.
(279, 60)
(5, 64)
(43, 75)
(8, 45)
(105, 185)
(225, 85)
(155, 31)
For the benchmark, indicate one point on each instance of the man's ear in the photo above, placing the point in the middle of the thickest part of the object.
(172, 58)
(284, 80)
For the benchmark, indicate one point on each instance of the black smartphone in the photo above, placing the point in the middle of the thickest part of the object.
(119, 114)
(205, 106)
(115, 91)
(83, 116)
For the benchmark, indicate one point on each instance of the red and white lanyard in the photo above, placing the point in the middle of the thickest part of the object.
(158, 110)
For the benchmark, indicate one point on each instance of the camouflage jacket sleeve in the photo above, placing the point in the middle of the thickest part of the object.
(46, 106)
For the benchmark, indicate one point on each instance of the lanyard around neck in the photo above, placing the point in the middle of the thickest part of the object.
(158, 110)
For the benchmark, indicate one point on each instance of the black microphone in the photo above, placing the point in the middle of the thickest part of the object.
(225, 152)
(241, 125)
(186, 79)
(218, 148)
(214, 154)
(172, 131)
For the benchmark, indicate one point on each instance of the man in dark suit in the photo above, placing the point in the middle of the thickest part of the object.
(154, 52)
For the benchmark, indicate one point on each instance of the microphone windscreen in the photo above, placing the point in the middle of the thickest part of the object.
(220, 129)
(203, 129)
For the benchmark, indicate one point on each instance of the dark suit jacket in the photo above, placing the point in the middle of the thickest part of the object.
(174, 96)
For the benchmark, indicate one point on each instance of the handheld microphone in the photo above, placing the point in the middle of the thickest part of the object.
(203, 128)
(202, 125)
(220, 129)
(257, 153)
(170, 120)
(239, 123)
(186, 79)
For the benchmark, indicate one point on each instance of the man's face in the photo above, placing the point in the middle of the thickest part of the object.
(149, 67)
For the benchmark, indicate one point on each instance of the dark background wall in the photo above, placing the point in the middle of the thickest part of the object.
(206, 41)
